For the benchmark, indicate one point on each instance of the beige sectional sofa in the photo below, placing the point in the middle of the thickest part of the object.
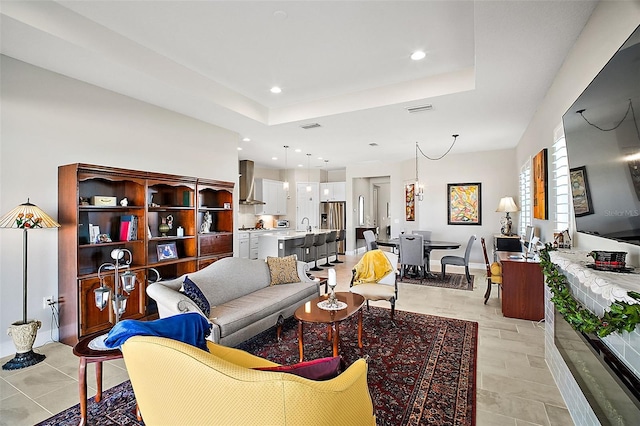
(243, 301)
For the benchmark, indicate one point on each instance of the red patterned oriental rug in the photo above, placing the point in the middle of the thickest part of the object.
(422, 370)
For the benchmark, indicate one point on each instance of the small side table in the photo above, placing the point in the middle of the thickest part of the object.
(88, 355)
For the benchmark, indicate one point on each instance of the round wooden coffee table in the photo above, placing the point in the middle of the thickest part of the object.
(311, 313)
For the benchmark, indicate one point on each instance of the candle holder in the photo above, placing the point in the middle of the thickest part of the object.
(332, 301)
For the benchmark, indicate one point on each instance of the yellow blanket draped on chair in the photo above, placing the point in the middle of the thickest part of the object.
(373, 266)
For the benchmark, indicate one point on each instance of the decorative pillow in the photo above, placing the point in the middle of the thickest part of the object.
(193, 292)
(283, 270)
(318, 369)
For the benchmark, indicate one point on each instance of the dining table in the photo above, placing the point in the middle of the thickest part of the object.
(429, 245)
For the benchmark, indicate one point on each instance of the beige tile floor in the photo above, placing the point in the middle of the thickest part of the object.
(514, 386)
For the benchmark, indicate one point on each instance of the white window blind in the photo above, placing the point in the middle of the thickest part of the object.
(561, 182)
(525, 196)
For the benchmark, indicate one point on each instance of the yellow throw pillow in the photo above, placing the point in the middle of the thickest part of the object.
(283, 270)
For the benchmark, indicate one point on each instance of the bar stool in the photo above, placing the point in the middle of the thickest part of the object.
(330, 240)
(341, 237)
(305, 247)
(317, 242)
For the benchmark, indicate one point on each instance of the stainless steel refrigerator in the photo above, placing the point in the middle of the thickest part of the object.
(333, 215)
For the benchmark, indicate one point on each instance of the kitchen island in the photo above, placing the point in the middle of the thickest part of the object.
(280, 244)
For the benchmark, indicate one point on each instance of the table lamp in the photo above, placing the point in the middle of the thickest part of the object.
(25, 217)
(507, 205)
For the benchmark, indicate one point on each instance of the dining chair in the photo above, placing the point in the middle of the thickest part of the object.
(370, 239)
(412, 254)
(494, 272)
(459, 261)
(426, 235)
(365, 282)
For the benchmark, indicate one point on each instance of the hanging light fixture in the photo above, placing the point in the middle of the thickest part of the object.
(308, 172)
(326, 189)
(285, 184)
(420, 186)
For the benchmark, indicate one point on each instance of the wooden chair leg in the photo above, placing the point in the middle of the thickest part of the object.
(488, 292)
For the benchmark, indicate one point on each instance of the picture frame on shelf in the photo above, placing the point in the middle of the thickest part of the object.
(167, 251)
(464, 203)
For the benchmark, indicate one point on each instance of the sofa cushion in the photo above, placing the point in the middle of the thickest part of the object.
(242, 312)
(317, 369)
(193, 292)
(283, 270)
(230, 278)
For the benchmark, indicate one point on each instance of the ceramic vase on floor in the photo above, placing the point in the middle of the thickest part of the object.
(23, 335)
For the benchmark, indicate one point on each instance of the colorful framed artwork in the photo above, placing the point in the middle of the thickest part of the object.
(580, 191)
(464, 203)
(540, 183)
(410, 201)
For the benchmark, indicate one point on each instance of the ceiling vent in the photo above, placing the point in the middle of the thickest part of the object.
(310, 126)
(373, 144)
(419, 108)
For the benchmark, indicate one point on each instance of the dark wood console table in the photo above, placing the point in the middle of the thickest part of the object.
(522, 286)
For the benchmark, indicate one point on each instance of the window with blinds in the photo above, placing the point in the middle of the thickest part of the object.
(525, 197)
(561, 182)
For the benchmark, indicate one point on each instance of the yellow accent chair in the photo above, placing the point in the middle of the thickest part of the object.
(375, 277)
(179, 384)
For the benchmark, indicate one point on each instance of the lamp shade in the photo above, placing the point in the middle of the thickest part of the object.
(507, 205)
(27, 216)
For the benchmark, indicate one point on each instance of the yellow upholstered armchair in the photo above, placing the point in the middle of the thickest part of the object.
(375, 277)
(179, 384)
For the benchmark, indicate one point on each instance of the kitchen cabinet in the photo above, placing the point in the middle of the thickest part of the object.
(243, 245)
(333, 191)
(253, 245)
(273, 194)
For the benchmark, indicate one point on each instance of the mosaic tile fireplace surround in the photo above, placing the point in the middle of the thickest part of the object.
(594, 393)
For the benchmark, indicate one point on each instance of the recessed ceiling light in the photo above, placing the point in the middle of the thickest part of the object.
(300, 165)
(298, 150)
(275, 89)
(246, 140)
(274, 158)
(417, 55)
(319, 158)
(239, 149)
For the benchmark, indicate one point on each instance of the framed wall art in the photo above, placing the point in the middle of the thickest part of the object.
(540, 183)
(410, 202)
(464, 203)
(580, 191)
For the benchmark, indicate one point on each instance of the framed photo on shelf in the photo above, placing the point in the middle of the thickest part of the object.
(167, 251)
(464, 203)
(580, 191)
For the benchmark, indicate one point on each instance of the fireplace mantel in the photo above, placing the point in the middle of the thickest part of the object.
(596, 291)
(611, 286)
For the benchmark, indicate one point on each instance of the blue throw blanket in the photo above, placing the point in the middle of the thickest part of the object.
(190, 327)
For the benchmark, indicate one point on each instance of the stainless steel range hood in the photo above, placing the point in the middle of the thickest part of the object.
(247, 188)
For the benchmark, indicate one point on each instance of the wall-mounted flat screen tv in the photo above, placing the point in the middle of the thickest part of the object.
(603, 146)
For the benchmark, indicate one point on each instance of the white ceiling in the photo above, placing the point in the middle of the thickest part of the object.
(342, 64)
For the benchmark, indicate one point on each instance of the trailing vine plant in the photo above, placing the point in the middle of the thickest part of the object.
(621, 316)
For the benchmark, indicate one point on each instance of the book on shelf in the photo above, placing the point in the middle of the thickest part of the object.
(128, 228)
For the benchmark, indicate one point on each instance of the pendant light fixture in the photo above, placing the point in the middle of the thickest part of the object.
(326, 172)
(420, 186)
(308, 172)
(285, 184)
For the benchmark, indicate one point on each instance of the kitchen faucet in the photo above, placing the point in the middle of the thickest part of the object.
(308, 226)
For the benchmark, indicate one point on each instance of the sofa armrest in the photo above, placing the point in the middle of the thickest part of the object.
(303, 270)
(171, 302)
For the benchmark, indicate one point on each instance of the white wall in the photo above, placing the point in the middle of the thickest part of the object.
(49, 120)
(611, 23)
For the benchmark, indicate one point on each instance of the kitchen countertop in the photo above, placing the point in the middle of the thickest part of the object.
(290, 235)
